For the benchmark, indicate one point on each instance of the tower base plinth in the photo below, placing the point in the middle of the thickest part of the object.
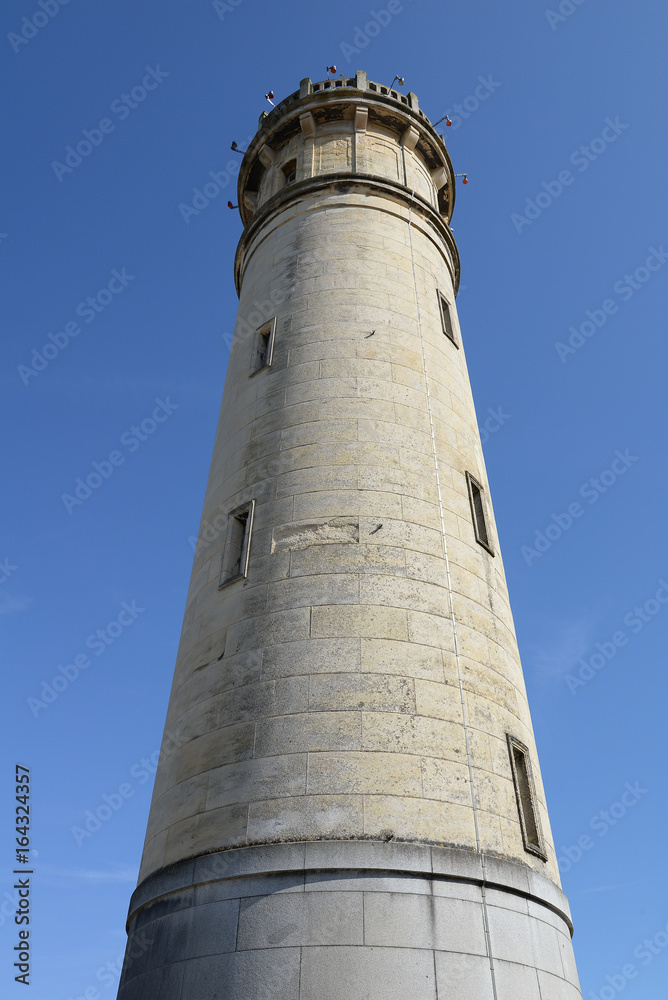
(348, 920)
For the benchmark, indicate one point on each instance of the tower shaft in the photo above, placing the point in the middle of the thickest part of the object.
(348, 805)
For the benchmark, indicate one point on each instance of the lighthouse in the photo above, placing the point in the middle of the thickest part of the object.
(348, 803)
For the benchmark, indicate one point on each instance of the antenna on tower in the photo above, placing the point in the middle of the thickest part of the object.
(397, 79)
(269, 97)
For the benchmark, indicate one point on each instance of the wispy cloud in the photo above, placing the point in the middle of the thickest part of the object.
(10, 605)
(600, 888)
(119, 873)
(572, 642)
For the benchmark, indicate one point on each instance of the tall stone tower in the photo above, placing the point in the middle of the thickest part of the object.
(348, 804)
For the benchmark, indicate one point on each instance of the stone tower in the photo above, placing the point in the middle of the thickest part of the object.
(348, 804)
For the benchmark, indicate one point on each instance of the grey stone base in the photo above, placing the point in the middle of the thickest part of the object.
(339, 920)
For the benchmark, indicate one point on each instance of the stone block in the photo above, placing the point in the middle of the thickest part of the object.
(311, 656)
(320, 477)
(516, 982)
(418, 819)
(244, 861)
(214, 749)
(446, 781)
(323, 588)
(349, 558)
(424, 513)
(511, 935)
(279, 626)
(308, 733)
(402, 535)
(413, 734)
(403, 920)
(367, 974)
(364, 622)
(304, 919)
(187, 798)
(430, 630)
(400, 592)
(318, 431)
(369, 692)
(257, 779)
(368, 855)
(438, 700)
(464, 977)
(364, 773)
(556, 988)
(402, 481)
(164, 982)
(245, 888)
(389, 656)
(208, 831)
(266, 972)
(327, 503)
(305, 816)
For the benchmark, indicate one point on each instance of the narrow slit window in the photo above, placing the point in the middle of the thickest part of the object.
(237, 544)
(290, 171)
(446, 319)
(477, 501)
(263, 347)
(526, 797)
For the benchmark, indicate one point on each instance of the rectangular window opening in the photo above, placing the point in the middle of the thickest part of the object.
(477, 502)
(290, 171)
(263, 347)
(526, 797)
(446, 318)
(237, 544)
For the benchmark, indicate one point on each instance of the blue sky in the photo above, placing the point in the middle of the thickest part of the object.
(552, 236)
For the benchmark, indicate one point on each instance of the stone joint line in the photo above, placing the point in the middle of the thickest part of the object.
(485, 917)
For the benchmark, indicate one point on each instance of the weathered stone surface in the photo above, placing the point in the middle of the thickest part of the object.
(357, 680)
